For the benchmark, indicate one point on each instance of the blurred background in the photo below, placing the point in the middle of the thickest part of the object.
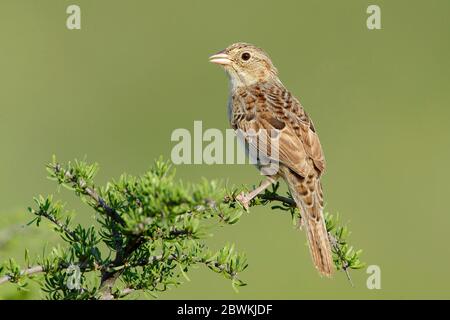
(114, 91)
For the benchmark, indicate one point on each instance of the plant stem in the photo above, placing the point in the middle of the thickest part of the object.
(25, 272)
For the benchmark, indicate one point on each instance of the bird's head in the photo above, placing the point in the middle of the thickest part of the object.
(245, 64)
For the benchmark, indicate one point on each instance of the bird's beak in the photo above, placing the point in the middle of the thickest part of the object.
(220, 58)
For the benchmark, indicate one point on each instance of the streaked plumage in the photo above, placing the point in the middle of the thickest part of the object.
(258, 100)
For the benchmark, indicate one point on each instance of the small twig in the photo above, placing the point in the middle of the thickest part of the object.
(56, 222)
(335, 245)
(124, 292)
(25, 272)
(276, 197)
(108, 278)
(113, 214)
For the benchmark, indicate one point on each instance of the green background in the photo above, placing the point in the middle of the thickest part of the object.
(116, 89)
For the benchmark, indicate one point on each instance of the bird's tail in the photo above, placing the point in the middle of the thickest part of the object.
(307, 193)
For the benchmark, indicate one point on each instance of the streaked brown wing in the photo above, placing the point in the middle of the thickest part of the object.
(287, 108)
(275, 109)
(290, 147)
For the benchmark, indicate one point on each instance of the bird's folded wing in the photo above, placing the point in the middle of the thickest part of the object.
(277, 141)
(284, 107)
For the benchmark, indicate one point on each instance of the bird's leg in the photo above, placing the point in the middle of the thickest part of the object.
(245, 198)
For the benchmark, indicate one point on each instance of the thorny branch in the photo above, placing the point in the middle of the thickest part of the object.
(91, 193)
(108, 277)
(130, 244)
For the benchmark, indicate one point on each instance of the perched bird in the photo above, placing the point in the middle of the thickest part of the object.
(258, 100)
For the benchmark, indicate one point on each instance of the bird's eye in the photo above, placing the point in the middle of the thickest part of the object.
(245, 56)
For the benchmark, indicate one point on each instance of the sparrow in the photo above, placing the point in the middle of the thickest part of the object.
(259, 102)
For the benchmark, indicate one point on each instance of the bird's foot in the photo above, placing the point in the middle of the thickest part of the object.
(244, 200)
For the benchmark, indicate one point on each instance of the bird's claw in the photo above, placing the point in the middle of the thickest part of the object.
(243, 200)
